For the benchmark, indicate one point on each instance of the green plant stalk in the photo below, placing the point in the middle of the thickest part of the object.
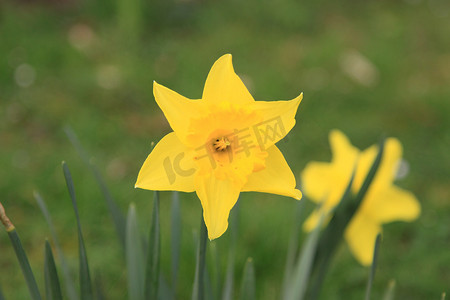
(69, 283)
(21, 255)
(85, 277)
(52, 285)
(248, 288)
(153, 254)
(198, 292)
(334, 232)
(373, 267)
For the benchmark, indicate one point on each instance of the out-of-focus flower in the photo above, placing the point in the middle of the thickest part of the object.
(384, 202)
(222, 144)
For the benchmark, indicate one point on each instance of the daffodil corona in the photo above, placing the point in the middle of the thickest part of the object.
(221, 145)
(384, 202)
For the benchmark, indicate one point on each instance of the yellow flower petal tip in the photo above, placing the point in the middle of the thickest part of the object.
(221, 145)
(325, 183)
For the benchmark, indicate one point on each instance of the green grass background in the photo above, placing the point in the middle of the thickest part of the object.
(103, 90)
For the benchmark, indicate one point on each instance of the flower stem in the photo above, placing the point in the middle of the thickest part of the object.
(198, 292)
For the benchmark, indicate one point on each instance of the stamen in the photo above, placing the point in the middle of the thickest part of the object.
(221, 144)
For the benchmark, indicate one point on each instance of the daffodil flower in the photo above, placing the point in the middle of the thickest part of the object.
(384, 202)
(221, 145)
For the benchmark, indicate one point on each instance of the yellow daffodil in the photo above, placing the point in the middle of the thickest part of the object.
(384, 202)
(221, 145)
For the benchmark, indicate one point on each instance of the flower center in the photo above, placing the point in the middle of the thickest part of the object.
(221, 144)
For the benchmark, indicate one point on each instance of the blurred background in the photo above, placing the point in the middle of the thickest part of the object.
(368, 68)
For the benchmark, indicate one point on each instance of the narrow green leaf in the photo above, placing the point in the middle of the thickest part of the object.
(52, 286)
(114, 210)
(248, 289)
(134, 256)
(24, 265)
(175, 238)
(228, 287)
(293, 246)
(68, 280)
(334, 232)
(198, 291)
(85, 277)
(21, 255)
(153, 254)
(390, 291)
(373, 267)
(298, 283)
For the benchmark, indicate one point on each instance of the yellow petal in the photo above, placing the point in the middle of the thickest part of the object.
(223, 85)
(388, 167)
(218, 197)
(275, 178)
(316, 179)
(344, 153)
(360, 236)
(178, 109)
(278, 118)
(394, 204)
(168, 167)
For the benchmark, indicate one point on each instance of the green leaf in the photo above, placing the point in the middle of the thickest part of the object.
(198, 291)
(21, 255)
(52, 286)
(228, 287)
(390, 291)
(114, 210)
(298, 282)
(373, 267)
(85, 277)
(24, 265)
(175, 238)
(68, 280)
(293, 246)
(248, 281)
(134, 256)
(153, 254)
(334, 232)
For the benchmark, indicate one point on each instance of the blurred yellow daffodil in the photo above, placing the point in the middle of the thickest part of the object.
(221, 145)
(325, 183)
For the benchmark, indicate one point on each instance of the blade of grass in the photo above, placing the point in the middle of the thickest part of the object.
(228, 287)
(298, 281)
(85, 277)
(175, 238)
(248, 289)
(334, 232)
(135, 257)
(114, 210)
(52, 286)
(1, 295)
(373, 267)
(21, 255)
(68, 280)
(153, 254)
(198, 291)
(390, 291)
